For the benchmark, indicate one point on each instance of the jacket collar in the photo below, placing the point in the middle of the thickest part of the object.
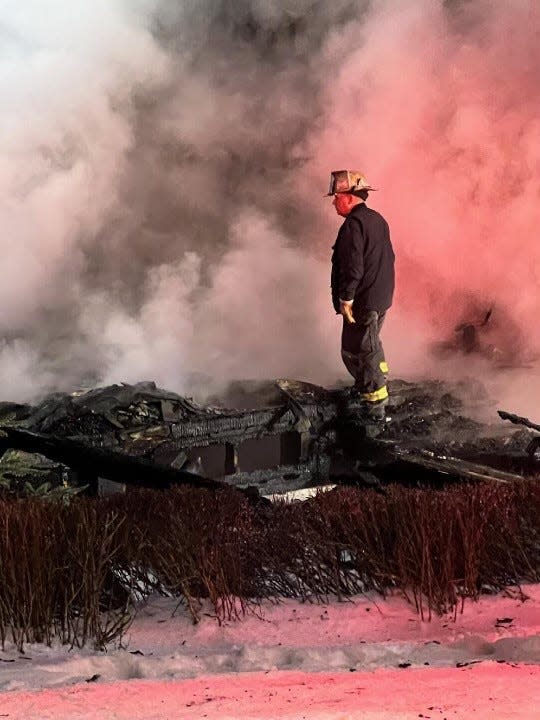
(357, 208)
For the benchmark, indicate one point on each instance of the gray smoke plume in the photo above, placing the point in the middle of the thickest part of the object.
(164, 166)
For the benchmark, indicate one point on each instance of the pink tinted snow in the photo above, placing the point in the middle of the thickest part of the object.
(490, 690)
(335, 661)
(368, 619)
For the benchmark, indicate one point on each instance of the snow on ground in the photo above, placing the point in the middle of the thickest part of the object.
(370, 658)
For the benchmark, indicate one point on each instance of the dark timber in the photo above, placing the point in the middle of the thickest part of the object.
(143, 436)
(91, 463)
(534, 446)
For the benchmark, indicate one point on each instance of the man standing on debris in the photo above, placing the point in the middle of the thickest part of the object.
(362, 287)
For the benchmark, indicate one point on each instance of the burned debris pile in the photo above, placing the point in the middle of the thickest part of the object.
(121, 433)
(286, 436)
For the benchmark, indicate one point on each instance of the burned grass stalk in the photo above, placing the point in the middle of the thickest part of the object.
(73, 571)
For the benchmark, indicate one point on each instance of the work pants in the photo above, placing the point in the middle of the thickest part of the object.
(363, 354)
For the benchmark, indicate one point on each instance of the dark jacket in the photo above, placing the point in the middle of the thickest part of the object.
(363, 261)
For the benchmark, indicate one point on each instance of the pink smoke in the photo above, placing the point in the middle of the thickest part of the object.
(163, 180)
(441, 113)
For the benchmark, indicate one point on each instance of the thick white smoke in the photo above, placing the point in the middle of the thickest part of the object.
(164, 166)
(67, 75)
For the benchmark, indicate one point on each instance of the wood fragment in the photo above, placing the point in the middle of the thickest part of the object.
(93, 462)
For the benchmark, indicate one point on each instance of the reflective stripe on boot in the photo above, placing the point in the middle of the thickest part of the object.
(376, 395)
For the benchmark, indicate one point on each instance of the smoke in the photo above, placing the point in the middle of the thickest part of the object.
(164, 166)
(442, 104)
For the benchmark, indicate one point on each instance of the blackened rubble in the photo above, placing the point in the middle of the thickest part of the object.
(300, 434)
(533, 448)
(431, 438)
(433, 416)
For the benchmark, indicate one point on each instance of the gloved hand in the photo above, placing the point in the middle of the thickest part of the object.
(345, 308)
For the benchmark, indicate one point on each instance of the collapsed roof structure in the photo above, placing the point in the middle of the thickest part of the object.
(276, 437)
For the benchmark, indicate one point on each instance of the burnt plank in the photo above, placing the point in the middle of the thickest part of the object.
(386, 456)
(518, 420)
(461, 468)
(98, 461)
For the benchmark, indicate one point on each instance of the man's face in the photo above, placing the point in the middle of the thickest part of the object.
(344, 203)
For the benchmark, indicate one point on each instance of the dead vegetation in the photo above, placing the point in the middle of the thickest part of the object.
(58, 566)
(74, 570)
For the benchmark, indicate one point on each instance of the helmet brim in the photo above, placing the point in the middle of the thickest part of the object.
(351, 192)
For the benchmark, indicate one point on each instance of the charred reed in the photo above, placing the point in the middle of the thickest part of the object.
(76, 571)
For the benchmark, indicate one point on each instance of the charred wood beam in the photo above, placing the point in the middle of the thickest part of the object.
(92, 462)
(392, 463)
(533, 447)
(517, 420)
(239, 426)
(456, 467)
(233, 428)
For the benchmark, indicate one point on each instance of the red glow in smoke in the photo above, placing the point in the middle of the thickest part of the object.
(441, 113)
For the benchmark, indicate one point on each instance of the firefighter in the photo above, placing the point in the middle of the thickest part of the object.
(362, 288)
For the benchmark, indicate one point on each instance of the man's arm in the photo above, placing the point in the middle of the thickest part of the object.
(351, 260)
(351, 264)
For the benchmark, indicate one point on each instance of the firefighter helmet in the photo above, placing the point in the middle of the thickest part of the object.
(347, 181)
